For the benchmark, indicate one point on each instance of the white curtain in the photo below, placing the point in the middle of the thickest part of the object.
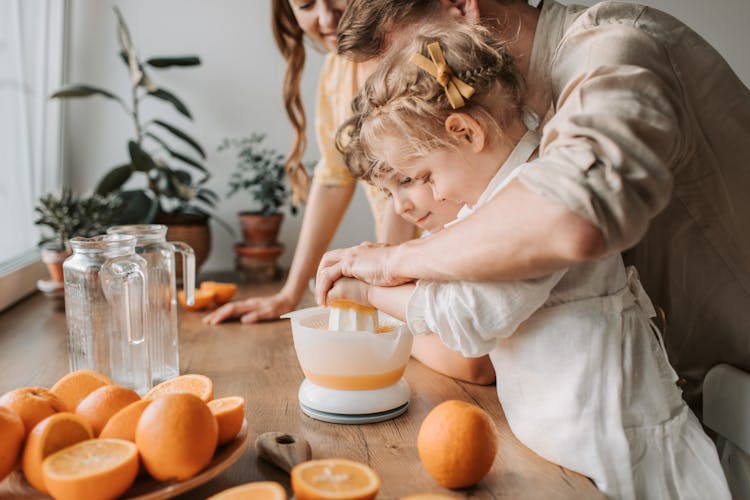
(31, 50)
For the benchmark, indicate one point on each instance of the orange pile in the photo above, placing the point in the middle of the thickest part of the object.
(457, 442)
(175, 430)
(334, 478)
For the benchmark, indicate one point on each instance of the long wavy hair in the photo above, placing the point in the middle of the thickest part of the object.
(290, 40)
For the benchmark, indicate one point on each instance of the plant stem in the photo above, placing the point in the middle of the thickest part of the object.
(136, 119)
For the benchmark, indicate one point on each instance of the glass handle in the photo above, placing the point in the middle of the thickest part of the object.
(133, 304)
(188, 269)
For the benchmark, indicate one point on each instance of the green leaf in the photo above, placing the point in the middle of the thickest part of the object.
(170, 97)
(114, 179)
(182, 135)
(123, 34)
(141, 160)
(166, 62)
(80, 90)
(189, 161)
(137, 208)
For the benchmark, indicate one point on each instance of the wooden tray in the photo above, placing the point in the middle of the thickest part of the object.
(146, 488)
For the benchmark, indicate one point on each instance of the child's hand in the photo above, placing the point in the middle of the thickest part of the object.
(349, 289)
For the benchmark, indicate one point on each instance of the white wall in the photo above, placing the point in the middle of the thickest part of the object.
(237, 90)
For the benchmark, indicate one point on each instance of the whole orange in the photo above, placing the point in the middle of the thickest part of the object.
(11, 437)
(99, 406)
(457, 443)
(176, 436)
(32, 404)
(75, 386)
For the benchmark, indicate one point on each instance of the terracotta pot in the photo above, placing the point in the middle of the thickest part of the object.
(54, 260)
(260, 230)
(191, 229)
(258, 263)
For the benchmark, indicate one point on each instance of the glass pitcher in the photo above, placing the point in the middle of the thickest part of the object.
(106, 309)
(162, 297)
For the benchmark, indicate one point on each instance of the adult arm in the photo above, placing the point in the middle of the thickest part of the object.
(603, 173)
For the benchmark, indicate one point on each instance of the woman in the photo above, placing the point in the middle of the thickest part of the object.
(333, 185)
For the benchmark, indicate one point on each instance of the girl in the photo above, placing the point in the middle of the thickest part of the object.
(581, 374)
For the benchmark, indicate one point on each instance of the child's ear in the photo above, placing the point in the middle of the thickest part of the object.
(465, 129)
(462, 9)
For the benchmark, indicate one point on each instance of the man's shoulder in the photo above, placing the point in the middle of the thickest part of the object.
(643, 18)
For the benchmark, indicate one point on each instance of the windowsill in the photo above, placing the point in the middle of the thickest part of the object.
(20, 282)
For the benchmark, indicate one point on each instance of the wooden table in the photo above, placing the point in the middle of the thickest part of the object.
(258, 362)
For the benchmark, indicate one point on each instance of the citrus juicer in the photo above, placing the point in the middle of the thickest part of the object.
(351, 377)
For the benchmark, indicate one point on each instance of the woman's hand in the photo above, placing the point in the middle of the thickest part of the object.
(366, 262)
(253, 309)
(350, 289)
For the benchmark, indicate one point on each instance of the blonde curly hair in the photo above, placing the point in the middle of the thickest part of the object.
(401, 100)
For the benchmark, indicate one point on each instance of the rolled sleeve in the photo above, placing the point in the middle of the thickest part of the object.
(604, 154)
(471, 317)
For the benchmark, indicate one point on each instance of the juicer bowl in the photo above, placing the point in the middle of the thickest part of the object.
(349, 360)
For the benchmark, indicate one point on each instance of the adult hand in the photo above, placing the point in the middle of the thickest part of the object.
(350, 289)
(367, 262)
(253, 309)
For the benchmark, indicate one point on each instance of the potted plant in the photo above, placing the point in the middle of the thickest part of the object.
(68, 215)
(259, 172)
(175, 194)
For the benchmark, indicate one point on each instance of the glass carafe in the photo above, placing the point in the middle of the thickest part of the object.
(106, 309)
(160, 255)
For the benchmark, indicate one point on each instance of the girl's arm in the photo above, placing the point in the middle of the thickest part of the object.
(429, 349)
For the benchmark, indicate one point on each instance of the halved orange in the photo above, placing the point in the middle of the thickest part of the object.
(428, 496)
(258, 490)
(224, 291)
(123, 423)
(92, 469)
(52, 434)
(229, 413)
(334, 479)
(191, 383)
(75, 386)
(204, 299)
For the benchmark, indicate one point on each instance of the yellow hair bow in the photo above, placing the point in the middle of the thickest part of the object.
(455, 89)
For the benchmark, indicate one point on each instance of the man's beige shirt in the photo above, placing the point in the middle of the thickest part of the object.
(650, 141)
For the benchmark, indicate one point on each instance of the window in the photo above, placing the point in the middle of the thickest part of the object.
(31, 55)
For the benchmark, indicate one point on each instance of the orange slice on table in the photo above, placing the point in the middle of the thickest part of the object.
(99, 406)
(52, 434)
(204, 299)
(75, 386)
(224, 292)
(12, 433)
(229, 413)
(92, 469)
(122, 424)
(334, 478)
(190, 383)
(32, 404)
(258, 490)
